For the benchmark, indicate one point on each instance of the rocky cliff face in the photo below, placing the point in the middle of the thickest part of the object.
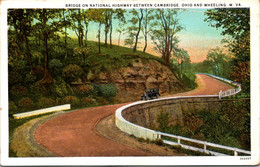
(132, 81)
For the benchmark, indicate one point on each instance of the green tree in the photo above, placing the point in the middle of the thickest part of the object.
(119, 14)
(108, 13)
(120, 31)
(164, 32)
(97, 15)
(87, 20)
(66, 22)
(235, 25)
(135, 28)
(145, 29)
(48, 26)
(21, 20)
(77, 19)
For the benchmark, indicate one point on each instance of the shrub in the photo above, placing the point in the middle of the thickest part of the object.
(29, 78)
(84, 89)
(18, 91)
(159, 142)
(12, 107)
(72, 72)
(74, 101)
(37, 58)
(189, 81)
(61, 89)
(193, 122)
(141, 139)
(107, 91)
(82, 53)
(37, 90)
(37, 70)
(45, 102)
(88, 100)
(26, 103)
(55, 66)
(163, 120)
(15, 77)
(102, 100)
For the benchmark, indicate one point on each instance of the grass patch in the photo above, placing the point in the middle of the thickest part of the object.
(15, 123)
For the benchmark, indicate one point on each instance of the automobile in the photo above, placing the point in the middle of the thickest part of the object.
(150, 94)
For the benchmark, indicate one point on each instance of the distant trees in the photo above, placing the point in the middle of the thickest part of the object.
(217, 59)
(182, 59)
(217, 62)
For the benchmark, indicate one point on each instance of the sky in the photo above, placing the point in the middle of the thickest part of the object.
(197, 37)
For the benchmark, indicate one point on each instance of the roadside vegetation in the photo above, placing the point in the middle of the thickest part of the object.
(230, 126)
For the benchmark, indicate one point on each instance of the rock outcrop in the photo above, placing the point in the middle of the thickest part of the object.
(133, 80)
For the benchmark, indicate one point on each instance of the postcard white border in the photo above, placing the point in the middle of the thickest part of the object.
(183, 160)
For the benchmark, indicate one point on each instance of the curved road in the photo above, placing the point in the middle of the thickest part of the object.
(74, 133)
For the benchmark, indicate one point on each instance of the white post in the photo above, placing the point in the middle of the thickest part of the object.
(205, 146)
(235, 152)
(179, 140)
(220, 94)
(159, 136)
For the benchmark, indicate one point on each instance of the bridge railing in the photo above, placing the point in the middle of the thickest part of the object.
(229, 92)
(143, 132)
(203, 143)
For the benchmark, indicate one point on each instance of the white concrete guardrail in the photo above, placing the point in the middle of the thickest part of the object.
(203, 143)
(229, 92)
(142, 132)
(42, 111)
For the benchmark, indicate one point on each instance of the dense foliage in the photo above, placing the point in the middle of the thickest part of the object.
(235, 24)
(230, 126)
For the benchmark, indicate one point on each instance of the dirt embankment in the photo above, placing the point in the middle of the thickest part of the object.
(132, 81)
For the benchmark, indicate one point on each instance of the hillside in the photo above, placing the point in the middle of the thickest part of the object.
(85, 78)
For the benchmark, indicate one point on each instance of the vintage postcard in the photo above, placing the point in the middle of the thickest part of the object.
(129, 82)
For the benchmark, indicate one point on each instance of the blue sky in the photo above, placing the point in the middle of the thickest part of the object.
(197, 37)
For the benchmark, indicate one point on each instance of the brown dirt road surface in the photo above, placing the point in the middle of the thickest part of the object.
(74, 133)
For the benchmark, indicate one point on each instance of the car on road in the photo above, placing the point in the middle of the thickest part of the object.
(150, 94)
